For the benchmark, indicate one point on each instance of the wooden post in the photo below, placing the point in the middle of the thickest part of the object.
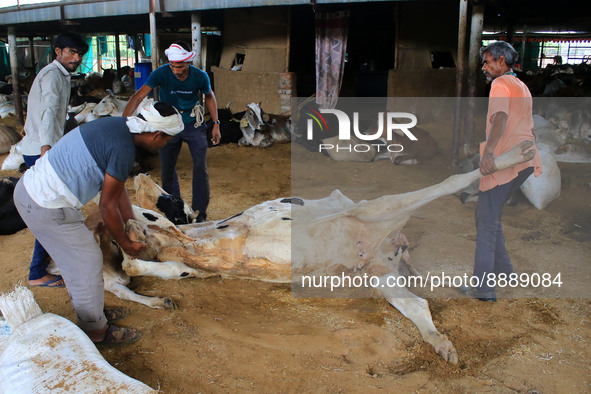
(196, 39)
(288, 41)
(16, 94)
(396, 34)
(460, 66)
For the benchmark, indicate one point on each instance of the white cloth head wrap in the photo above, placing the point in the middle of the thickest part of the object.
(177, 53)
(171, 125)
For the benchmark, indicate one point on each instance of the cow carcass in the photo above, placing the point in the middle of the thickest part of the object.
(263, 130)
(333, 235)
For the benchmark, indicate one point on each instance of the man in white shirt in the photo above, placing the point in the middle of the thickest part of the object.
(46, 118)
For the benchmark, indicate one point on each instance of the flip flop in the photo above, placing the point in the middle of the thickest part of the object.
(116, 336)
(46, 284)
(114, 314)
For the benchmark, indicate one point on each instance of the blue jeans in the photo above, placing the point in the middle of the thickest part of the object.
(491, 255)
(40, 260)
(196, 139)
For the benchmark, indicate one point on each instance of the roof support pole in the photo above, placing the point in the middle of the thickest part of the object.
(153, 34)
(523, 40)
(32, 51)
(473, 64)
(196, 39)
(153, 42)
(117, 51)
(99, 60)
(460, 66)
(18, 102)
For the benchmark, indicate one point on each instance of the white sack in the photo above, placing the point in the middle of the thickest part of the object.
(46, 353)
(544, 189)
(14, 159)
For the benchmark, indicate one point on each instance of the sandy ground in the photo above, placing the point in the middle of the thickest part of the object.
(239, 336)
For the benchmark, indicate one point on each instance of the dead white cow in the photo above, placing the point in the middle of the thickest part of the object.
(334, 233)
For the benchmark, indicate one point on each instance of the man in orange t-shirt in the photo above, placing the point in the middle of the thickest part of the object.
(509, 121)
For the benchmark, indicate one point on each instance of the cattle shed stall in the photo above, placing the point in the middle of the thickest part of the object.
(266, 51)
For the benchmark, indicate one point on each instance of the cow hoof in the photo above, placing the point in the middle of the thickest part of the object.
(447, 351)
(265, 143)
(169, 304)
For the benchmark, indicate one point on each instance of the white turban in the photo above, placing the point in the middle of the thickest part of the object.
(171, 125)
(177, 53)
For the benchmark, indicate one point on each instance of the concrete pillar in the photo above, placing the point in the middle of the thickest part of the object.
(474, 66)
(460, 68)
(196, 39)
(18, 102)
(153, 43)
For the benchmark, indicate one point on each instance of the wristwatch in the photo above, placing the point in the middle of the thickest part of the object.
(216, 122)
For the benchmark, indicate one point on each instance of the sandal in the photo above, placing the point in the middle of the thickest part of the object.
(116, 335)
(115, 314)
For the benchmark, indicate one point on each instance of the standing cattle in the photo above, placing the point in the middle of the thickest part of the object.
(285, 239)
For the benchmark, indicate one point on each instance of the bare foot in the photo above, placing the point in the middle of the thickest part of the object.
(48, 281)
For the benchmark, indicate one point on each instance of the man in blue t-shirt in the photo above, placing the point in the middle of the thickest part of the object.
(181, 85)
(94, 157)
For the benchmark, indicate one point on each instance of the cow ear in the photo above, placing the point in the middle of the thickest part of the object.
(260, 103)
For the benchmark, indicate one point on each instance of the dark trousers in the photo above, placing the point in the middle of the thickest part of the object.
(40, 260)
(196, 139)
(491, 255)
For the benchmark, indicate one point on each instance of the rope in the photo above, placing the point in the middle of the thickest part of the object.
(197, 112)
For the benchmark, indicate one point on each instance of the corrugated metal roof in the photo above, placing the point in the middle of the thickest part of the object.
(96, 16)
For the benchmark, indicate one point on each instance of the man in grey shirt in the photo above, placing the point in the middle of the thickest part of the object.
(46, 118)
(94, 157)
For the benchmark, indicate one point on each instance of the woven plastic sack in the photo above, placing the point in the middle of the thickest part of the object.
(544, 189)
(45, 353)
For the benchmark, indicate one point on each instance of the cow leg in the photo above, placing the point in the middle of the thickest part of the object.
(163, 270)
(417, 310)
(121, 291)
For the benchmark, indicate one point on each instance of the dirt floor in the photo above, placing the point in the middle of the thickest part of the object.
(238, 336)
